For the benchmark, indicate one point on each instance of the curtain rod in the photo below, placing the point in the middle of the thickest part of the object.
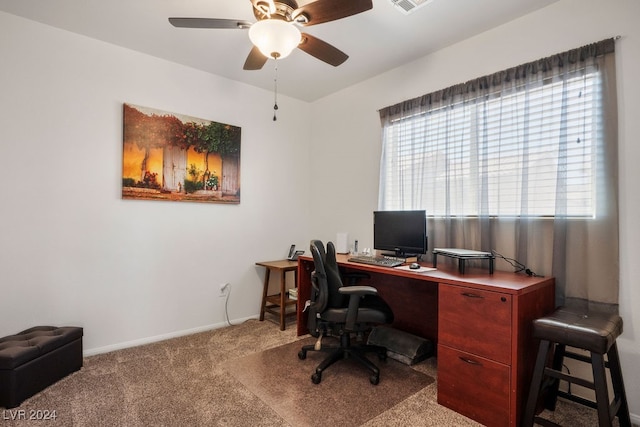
(418, 99)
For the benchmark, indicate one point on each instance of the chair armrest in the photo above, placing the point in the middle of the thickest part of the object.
(355, 295)
(358, 290)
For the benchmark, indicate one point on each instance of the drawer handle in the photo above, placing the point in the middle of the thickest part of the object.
(470, 361)
(470, 295)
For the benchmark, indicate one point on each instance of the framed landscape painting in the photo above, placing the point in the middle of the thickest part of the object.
(168, 156)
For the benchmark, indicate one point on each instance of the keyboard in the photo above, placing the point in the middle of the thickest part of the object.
(379, 261)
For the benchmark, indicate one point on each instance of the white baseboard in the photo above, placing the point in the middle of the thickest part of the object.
(156, 338)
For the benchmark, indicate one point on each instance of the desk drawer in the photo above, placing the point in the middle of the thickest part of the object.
(475, 321)
(473, 386)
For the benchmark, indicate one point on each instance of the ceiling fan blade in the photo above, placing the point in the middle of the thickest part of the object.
(322, 50)
(329, 10)
(255, 60)
(209, 23)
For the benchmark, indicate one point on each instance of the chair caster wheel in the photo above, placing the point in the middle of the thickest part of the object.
(316, 378)
(374, 379)
(302, 355)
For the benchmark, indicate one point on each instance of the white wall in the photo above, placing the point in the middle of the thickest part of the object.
(346, 131)
(73, 252)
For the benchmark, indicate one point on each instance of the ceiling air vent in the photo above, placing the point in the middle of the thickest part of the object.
(409, 6)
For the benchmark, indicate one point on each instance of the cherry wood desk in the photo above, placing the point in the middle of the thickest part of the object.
(481, 323)
(277, 304)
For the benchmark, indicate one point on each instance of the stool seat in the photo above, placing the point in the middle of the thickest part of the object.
(588, 330)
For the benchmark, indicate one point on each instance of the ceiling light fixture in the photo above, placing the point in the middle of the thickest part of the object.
(274, 37)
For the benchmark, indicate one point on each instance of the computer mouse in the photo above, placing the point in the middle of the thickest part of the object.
(414, 266)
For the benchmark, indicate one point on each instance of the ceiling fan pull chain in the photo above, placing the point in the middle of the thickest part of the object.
(275, 90)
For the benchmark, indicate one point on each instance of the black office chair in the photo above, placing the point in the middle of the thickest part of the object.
(338, 310)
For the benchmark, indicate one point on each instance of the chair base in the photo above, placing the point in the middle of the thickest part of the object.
(346, 351)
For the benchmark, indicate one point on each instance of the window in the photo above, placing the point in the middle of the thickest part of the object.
(507, 153)
(523, 162)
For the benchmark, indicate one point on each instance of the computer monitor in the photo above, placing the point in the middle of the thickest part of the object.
(401, 233)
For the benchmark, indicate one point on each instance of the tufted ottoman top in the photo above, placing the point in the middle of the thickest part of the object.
(588, 330)
(27, 345)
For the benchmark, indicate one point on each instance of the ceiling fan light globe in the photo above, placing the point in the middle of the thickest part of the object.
(274, 37)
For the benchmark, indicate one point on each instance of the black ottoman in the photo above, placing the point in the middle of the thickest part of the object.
(34, 359)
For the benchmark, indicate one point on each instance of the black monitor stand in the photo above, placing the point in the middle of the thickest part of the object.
(462, 255)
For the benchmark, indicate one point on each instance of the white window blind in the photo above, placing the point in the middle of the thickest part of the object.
(526, 151)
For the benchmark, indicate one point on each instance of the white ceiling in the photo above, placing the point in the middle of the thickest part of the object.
(376, 41)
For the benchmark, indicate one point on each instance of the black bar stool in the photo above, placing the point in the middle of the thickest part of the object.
(587, 330)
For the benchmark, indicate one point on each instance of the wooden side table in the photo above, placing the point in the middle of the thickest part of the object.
(277, 304)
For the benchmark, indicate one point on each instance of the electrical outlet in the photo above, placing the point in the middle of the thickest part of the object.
(224, 289)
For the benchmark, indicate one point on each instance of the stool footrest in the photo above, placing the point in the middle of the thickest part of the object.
(615, 407)
(569, 378)
(582, 358)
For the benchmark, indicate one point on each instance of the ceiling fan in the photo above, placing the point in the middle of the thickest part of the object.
(276, 33)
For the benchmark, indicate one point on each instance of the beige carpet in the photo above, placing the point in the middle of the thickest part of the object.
(187, 382)
(344, 396)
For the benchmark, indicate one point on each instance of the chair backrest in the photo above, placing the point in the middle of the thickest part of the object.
(330, 307)
(319, 291)
(334, 279)
(325, 278)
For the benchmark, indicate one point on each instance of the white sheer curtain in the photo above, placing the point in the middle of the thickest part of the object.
(523, 163)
